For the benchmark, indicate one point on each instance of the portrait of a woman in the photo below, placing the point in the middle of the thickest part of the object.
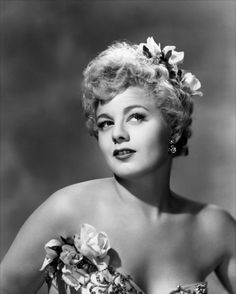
(129, 233)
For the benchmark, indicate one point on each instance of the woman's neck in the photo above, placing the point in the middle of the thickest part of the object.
(151, 190)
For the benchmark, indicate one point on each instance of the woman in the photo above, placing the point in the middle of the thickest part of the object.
(130, 233)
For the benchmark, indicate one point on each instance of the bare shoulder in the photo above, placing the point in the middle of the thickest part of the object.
(213, 232)
(51, 215)
(219, 223)
(209, 215)
(79, 195)
(88, 187)
(66, 204)
(212, 221)
(212, 224)
(218, 236)
(50, 220)
(54, 215)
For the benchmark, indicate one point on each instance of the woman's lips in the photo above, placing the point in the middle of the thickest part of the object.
(123, 153)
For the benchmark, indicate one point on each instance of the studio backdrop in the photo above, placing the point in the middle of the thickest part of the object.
(44, 142)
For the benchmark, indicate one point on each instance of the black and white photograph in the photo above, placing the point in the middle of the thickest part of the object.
(118, 147)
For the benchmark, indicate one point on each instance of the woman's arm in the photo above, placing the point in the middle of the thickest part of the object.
(226, 271)
(20, 267)
(218, 236)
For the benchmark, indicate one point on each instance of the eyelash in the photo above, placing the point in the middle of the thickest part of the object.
(136, 115)
(102, 124)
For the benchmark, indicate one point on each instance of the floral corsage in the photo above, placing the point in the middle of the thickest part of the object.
(81, 263)
(171, 59)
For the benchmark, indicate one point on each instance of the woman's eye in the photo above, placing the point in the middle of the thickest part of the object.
(136, 117)
(104, 124)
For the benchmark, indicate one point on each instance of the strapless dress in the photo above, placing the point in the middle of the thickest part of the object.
(81, 265)
(121, 284)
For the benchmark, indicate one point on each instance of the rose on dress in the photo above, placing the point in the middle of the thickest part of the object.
(82, 263)
(90, 243)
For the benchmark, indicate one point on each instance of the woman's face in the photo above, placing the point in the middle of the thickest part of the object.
(132, 133)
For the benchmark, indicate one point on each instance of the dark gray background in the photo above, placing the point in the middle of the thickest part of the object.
(45, 47)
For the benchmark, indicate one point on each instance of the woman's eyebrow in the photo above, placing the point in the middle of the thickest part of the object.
(103, 115)
(130, 107)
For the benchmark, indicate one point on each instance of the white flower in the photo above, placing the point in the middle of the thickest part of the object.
(152, 46)
(90, 243)
(154, 49)
(176, 57)
(168, 48)
(190, 81)
(51, 254)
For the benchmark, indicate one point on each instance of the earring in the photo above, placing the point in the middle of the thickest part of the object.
(172, 148)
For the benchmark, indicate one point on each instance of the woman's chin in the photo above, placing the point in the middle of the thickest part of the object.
(135, 170)
(131, 174)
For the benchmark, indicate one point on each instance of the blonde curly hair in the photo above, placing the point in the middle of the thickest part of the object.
(123, 65)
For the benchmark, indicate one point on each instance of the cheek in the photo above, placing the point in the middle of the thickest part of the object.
(156, 138)
(157, 147)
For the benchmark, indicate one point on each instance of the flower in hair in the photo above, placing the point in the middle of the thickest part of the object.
(150, 49)
(191, 82)
(171, 59)
(175, 57)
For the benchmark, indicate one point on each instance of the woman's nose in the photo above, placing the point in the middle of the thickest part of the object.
(119, 134)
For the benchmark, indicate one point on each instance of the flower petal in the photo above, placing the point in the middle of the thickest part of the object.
(46, 262)
(199, 93)
(77, 241)
(176, 57)
(51, 254)
(166, 49)
(189, 80)
(74, 277)
(86, 232)
(71, 281)
(52, 243)
(153, 47)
